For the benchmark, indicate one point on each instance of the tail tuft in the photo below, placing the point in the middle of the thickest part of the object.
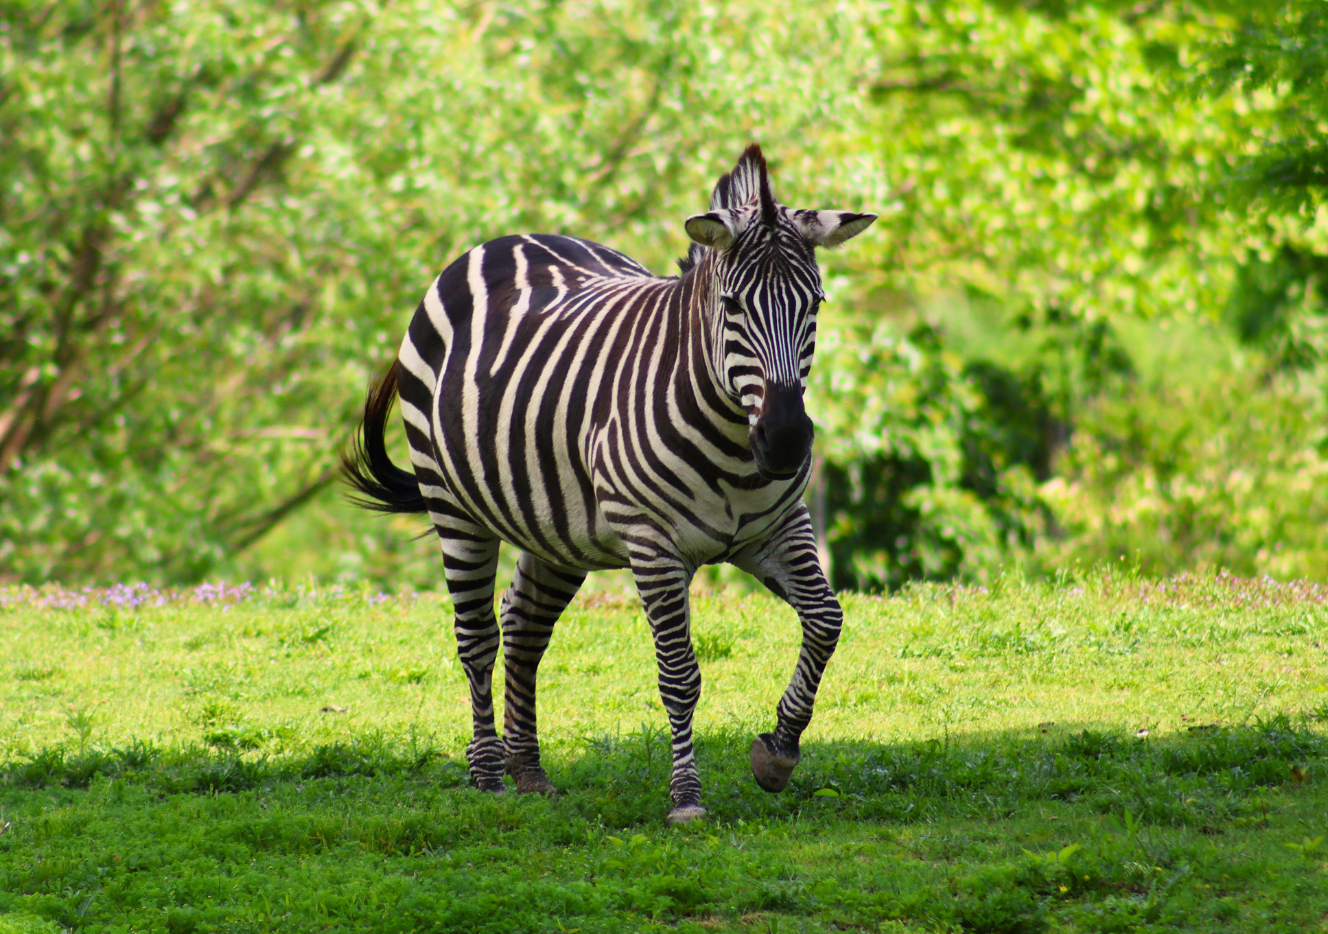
(366, 466)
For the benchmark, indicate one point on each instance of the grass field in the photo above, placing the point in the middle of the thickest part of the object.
(1102, 755)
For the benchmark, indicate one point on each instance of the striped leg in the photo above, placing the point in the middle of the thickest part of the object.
(788, 564)
(470, 558)
(662, 581)
(531, 606)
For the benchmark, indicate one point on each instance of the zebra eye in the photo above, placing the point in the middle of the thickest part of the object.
(731, 303)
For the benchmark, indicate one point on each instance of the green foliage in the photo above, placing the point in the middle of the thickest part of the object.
(929, 466)
(1306, 847)
(1272, 296)
(1274, 54)
(1164, 475)
(215, 220)
(1042, 157)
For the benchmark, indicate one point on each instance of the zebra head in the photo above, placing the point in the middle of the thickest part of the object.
(764, 292)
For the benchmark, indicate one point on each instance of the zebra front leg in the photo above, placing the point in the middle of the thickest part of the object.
(787, 563)
(471, 561)
(530, 608)
(662, 582)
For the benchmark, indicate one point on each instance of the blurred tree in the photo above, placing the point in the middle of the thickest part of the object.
(1274, 55)
(1227, 469)
(1045, 164)
(155, 288)
(1045, 158)
(924, 477)
(1225, 472)
(216, 218)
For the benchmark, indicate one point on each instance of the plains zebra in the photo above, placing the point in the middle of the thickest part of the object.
(559, 397)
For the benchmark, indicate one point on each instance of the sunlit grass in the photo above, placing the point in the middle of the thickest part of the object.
(307, 745)
(312, 666)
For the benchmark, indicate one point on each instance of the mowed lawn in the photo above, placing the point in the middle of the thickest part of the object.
(1106, 754)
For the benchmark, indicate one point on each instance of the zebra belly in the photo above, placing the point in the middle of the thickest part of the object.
(535, 491)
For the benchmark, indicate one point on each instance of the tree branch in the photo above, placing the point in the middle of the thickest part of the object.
(267, 164)
(339, 62)
(113, 103)
(619, 153)
(943, 82)
(260, 525)
(163, 119)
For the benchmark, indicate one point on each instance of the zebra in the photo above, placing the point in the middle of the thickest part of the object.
(558, 396)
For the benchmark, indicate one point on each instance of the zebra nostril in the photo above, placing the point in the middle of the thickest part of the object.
(759, 439)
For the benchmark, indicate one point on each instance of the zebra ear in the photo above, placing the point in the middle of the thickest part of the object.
(831, 228)
(714, 229)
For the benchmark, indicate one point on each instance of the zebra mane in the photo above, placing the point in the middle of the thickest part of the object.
(687, 263)
(748, 182)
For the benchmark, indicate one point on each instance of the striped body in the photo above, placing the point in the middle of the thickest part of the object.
(559, 397)
(637, 446)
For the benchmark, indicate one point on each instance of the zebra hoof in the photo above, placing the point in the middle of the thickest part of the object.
(770, 769)
(535, 782)
(490, 784)
(686, 813)
(485, 757)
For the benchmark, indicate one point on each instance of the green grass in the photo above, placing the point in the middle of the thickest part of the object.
(292, 761)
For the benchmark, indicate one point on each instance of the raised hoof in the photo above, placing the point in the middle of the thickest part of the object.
(535, 782)
(770, 769)
(686, 813)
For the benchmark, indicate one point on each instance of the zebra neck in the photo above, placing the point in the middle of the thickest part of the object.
(704, 319)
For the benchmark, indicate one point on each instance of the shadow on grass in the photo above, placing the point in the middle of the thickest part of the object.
(381, 833)
(1196, 780)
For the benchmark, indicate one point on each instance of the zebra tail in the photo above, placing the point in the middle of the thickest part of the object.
(366, 466)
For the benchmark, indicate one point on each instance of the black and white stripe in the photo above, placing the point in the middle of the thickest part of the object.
(560, 397)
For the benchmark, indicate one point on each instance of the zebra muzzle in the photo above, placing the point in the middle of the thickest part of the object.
(781, 439)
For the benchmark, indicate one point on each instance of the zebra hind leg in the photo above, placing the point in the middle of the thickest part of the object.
(530, 608)
(662, 582)
(470, 557)
(789, 565)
